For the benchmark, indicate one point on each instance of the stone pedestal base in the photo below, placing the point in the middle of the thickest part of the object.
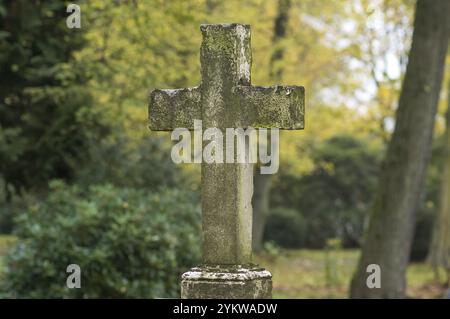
(227, 282)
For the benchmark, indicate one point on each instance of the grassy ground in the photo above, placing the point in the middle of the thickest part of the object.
(321, 274)
(314, 273)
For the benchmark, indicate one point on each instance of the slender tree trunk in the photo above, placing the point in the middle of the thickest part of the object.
(262, 183)
(280, 27)
(439, 253)
(389, 235)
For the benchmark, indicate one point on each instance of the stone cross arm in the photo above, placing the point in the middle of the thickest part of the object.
(169, 109)
(275, 106)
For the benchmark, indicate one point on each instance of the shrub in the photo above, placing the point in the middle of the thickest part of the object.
(128, 161)
(335, 197)
(128, 243)
(285, 227)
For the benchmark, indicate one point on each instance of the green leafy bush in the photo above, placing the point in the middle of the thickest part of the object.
(128, 243)
(128, 161)
(285, 227)
(334, 198)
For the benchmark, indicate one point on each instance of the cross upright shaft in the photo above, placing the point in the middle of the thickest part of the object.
(226, 99)
(227, 189)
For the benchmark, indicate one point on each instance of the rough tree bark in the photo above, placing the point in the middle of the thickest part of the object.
(389, 235)
(439, 252)
(262, 183)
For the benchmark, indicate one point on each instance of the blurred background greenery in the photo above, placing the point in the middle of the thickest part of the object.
(82, 179)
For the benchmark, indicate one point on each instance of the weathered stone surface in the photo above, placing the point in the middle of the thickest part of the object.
(227, 189)
(227, 283)
(226, 99)
(280, 107)
(169, 109)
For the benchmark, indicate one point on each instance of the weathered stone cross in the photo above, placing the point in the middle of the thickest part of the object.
(226, 99)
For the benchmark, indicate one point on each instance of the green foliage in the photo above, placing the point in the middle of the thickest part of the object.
(123, 162)
(336, 195)
(6, 241)
(285, 227)
(6, 217)
(45, 120)
(128, 243)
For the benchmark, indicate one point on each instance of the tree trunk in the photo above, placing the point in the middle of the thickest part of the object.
(262, 183)
(389, 235)
(439, 253)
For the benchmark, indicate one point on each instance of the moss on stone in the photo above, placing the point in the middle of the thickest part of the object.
(226, 99)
